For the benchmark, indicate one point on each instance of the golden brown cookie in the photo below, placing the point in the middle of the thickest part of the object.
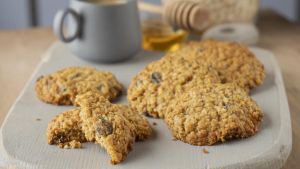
(213, 113)
(112, 126)
(234, 62)
(65, 130)
(62, 86)
(157, 84)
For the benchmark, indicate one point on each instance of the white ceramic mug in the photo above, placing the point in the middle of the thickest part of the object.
(101, 32)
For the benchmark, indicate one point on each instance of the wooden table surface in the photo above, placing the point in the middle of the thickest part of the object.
(21, 50)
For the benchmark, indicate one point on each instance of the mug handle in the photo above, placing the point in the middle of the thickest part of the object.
(59, 23)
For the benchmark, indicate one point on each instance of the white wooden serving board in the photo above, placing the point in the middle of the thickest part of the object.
(23, 141)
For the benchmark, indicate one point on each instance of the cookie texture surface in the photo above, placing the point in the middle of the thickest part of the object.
(63, 86)
(157, 84)
(65, 130)
(213, 113)
(142, 127)
(112, 126)
(234, 62)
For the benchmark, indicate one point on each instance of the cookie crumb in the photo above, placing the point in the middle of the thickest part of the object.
(154, 123)
(38, 119)
(205, 151)
(70, 145)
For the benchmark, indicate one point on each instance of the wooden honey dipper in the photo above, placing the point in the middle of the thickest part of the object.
(187, 15)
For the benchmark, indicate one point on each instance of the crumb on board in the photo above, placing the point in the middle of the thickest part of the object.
(205, 151)
(174, 139)
(38, 119)
(70, 145)
(154, 123)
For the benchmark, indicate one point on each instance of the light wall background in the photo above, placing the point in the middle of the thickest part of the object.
(19, 13)
(288, 8)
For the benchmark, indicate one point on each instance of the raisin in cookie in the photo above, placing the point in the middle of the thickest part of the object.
(234, 62)
(158, 83)
(65, 130)
(213, 113)
(62, 86)
(112, 126)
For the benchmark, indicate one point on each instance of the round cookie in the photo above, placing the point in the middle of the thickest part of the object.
(213, 113)
(62, 86)
(157, 84)
(234, 62)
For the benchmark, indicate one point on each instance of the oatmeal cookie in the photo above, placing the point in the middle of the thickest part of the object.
(213, 113)
(65, 130)
(112, 126)
(234, 62)
(62, 86)
(157, 84)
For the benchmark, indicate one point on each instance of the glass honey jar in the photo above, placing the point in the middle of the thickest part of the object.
(158, 34)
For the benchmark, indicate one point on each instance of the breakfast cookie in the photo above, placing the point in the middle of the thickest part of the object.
(65, 130)
(112, 126)
(213, 113)
(157, 84)
(234, 62)
(62, 86)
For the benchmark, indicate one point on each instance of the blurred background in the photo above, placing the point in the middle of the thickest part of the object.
(16, 14)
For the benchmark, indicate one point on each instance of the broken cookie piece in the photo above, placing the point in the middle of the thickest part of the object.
(114, 127)
(65, 130)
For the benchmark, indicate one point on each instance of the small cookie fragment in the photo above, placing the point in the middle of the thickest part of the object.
(63, 86)
(114, 127)
(157, 84)
(234, 62)
(205, 151)
(70, 145)
(213, 113)
(65, 130)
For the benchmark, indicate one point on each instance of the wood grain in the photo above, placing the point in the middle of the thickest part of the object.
(283, 39)
(20, 51)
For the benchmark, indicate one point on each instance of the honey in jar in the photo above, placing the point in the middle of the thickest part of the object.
(160, 36)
